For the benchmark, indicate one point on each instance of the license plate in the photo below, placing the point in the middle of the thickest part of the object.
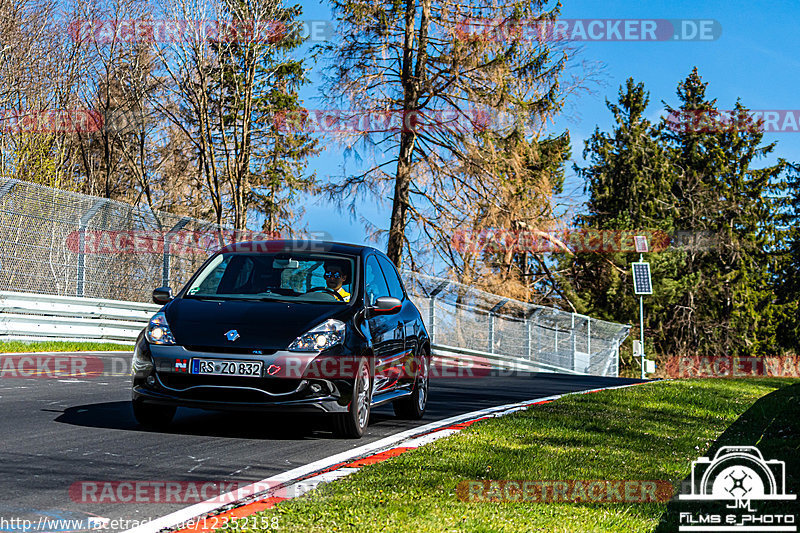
(217, 367)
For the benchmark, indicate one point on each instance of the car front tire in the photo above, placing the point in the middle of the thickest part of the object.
(351, 425)
(153, 416)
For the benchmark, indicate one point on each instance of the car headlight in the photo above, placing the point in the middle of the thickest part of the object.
(322, 337)
(158, 331)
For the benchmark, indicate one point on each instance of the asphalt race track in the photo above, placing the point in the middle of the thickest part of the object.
(55, 433)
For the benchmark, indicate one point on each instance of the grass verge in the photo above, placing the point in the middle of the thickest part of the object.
(648, 432)
(61, 346)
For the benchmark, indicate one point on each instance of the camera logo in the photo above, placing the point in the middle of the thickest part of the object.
(738, 473)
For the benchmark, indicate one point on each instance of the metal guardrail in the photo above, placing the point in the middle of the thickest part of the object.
(26, 316)
(476, 359)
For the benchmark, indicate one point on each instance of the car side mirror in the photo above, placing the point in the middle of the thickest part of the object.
(162, 295)
(386, 305)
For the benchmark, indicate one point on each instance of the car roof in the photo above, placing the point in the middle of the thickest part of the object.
(298, 246)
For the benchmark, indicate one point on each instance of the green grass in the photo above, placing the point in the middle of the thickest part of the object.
(647, 432)
(61, 346)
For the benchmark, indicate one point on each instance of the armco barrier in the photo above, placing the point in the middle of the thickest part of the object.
(25, 316)
(474, 358)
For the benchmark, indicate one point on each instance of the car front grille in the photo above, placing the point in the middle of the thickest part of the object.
(187, 382)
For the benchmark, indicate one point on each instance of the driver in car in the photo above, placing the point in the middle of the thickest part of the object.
(335, 278)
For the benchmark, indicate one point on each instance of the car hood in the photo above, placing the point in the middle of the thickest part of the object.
(261, 325)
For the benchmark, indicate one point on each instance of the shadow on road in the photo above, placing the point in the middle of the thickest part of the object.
(119, 415)
(448, 397)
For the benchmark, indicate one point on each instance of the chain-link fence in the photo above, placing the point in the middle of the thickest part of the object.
(69, 244)
(461, 316)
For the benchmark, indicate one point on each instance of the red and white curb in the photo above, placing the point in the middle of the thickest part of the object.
(215, 513)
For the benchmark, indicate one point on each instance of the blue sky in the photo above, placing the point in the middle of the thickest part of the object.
(753, 59)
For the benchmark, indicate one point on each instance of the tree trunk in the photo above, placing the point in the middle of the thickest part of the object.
(402, 181)
(411, 86)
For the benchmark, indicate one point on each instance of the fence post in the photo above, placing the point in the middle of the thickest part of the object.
(589, 336)
(167, 241)
(574, 343)
(555, 341)
(8, 186)
(492, 312)
(491, 333)
(528, 336)
(432, 319)
(432, 311)
(82, 224)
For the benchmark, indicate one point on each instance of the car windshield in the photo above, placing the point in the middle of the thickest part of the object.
(293, 277)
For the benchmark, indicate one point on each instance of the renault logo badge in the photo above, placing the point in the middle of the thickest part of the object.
(232, 335)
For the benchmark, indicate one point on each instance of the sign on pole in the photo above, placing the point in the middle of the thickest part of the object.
(640, 241)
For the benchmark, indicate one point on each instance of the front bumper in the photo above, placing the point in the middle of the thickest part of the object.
(326, 404)
(296, 382)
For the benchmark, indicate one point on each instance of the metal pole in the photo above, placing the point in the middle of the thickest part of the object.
(492, 312)
(432, 313)
(432, 319)
(641, 321)
(8, 186)
(165, 267)
(589, 335)
(82, 225)
(491, 332)
(528, 336)
(641, 329)
(555, 341)
(574, 342)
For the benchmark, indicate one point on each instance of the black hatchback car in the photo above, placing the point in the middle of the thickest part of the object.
(285, 325)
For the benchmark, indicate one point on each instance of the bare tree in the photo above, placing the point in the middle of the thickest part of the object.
(37, 88)
(449, 84)
(227, 88)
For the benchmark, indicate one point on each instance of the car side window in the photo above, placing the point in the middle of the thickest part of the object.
(392, 278)
(375, 284)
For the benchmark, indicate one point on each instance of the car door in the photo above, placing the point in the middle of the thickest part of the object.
(386, 336)
(407, 319)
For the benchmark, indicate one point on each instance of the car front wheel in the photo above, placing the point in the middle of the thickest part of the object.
(351, 425)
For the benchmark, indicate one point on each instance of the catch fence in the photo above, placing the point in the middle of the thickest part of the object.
(55, 242)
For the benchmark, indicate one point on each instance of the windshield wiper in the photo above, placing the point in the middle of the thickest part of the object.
(217, 298)
(273, 299)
